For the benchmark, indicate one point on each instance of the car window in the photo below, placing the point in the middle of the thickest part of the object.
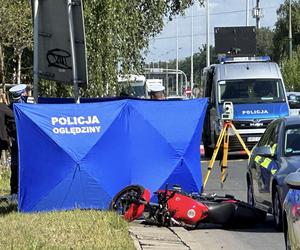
(294, 100)
(273, 138)
(292, 141)
(265, 138)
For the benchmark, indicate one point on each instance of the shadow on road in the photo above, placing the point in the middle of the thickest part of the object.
(231, 156)
(262, 227)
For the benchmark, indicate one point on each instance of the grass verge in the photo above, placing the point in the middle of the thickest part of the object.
(78, 229)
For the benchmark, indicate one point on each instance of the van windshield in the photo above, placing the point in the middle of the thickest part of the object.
(251, 91)
(138, 91)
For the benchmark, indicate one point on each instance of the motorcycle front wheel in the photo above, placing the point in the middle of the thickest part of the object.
(123, 200)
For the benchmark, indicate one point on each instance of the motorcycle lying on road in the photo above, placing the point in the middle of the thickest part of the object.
(176, 208)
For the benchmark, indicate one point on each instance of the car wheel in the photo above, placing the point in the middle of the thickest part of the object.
(287, 242)
(250, 199)
(277, 211)
(287, 237)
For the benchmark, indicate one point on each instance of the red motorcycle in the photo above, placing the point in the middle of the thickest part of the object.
(175, 207)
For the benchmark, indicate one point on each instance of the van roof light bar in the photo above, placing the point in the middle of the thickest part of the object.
(245, 59)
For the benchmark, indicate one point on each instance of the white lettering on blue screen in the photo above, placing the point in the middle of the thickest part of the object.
(74, 125)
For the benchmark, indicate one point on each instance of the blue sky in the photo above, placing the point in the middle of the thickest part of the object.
(223, 13)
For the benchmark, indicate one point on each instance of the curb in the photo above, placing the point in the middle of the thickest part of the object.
(186, 238)
(135, 239)
(153, 237)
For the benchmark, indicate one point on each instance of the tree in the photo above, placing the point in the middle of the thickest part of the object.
(264, 42)
(15, 38)
(199, 63)
(280, 40)
(290, 71)
(117, 32)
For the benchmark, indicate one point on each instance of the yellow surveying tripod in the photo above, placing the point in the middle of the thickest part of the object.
(224, 135)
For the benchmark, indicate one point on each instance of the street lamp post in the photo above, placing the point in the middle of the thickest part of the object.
(290, 30)
(177, 55)
(167, 78)
(35, 51)
(192, 52)
(207, 35)
(247, 12)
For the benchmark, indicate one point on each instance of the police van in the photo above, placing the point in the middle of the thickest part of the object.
(255, 87)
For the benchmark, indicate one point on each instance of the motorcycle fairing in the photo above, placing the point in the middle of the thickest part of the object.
(186, 209)
(136, 210)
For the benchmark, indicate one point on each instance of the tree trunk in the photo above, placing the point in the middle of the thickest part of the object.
(19, 58)
(2, 75)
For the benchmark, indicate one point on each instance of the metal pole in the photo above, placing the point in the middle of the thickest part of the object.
(192, 52)
(290, 31)
(36, 50)
(184, 75)
(73, 51)
(181, 84)
(207, 35)
(258, 14)
(247, 12)
(167, 79)
(177, 56)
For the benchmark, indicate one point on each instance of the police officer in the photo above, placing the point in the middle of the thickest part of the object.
(6, 119)
(157, 92)
(19, 94)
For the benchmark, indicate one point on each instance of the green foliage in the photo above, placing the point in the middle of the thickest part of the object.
(78, 229)
(199, 62)
(264, 42)
(15, 39)
(117, 34)
(280, 40)
(290, 71)
(4, 180)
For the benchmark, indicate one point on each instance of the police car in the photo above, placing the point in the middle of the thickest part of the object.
(275, 156)
(291, 212)
(294, 102)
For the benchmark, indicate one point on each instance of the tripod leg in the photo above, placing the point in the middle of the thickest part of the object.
(213, 158)
(224, 165)
(240, 139)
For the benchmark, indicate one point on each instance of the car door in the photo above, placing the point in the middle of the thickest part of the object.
(267, 166)
(255, 164)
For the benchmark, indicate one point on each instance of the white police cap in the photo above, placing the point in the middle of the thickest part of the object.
(17, 90)
(156, 88)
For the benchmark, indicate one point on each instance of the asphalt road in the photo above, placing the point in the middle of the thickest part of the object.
(262, 236)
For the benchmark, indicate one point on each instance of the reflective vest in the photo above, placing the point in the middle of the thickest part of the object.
(268, 163)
